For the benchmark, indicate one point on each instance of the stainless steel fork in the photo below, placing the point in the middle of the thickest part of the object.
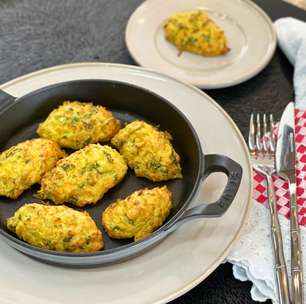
(262, 151)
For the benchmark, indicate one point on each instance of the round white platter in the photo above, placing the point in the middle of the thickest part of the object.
(180, 262)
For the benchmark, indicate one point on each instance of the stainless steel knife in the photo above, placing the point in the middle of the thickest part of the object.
(285, 162)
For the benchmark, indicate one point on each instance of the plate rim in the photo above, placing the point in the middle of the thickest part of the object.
(229, 83)
(181, 291)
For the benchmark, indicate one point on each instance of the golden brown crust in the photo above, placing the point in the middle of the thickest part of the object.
(139, 214)
(84, 176)
(57, 228)
(148, 151)
(24, 165)
(76, 124)
(195, 32)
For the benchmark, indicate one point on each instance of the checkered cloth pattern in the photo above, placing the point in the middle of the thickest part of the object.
(280, 185)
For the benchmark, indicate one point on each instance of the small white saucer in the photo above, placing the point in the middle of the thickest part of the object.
(250, 33)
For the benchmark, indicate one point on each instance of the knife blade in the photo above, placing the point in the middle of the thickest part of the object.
(285, 163)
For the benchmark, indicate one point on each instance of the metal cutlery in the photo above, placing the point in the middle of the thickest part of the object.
(285, 166)
(262, 151)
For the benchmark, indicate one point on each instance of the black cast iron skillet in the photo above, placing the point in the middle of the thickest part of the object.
(19, 119)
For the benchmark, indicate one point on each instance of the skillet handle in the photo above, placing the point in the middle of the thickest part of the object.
(215, 163)
(5, 100)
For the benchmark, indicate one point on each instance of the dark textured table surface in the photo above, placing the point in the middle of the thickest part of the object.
(35, 34)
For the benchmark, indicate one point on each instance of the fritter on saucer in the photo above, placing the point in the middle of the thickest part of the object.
(195, 32)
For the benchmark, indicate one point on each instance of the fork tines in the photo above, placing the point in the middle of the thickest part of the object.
(261, 135)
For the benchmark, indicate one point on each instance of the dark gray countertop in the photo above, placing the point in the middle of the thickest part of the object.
(35, 34)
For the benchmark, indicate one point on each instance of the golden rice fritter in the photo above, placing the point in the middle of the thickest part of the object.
(148, 151)
(139, 214)
(195, 32)
(24, 164)
(84, 176)
(76, 124)
(57, 228)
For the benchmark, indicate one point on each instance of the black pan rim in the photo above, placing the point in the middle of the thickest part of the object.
(141, 243)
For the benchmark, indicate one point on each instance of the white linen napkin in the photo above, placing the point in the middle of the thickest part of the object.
(252, 257)
(291, 35)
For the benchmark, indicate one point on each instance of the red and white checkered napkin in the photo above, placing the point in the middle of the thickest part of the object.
(280, 186)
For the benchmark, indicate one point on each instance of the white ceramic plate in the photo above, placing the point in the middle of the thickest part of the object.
(249, 30)
(180, 262)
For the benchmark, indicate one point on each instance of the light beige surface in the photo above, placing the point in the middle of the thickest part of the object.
(299, 3)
